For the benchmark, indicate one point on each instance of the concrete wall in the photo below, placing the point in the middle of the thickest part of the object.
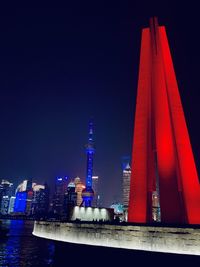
(149, 238)
(90, 214)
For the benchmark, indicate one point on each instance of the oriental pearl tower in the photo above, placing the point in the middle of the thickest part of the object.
(88, 193)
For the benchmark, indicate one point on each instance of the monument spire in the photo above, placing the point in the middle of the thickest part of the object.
(162, 158)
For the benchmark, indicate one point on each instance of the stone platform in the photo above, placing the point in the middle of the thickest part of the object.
(169, 239)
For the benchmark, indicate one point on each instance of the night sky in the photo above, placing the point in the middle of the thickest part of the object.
(59, 66)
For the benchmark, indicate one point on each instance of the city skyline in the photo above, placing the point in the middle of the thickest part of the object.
(59, 67)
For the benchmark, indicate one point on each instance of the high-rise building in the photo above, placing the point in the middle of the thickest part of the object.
(40, 204)
(6, 191)
(11, 205)
(5, 205)
(156, 216)
(25, 197)
(60, 190)
(29, 200)
(126, 184)
(6, 188)
(79, 186)
(95, 187)
(126, 171)
(70, 198)
(43, 207)
(20, 202)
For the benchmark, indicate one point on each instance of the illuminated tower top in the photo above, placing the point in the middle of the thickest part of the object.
(90, 153)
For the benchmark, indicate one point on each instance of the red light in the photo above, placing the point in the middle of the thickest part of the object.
(161, 144)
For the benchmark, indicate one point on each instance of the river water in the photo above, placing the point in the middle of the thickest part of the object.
(22, 249)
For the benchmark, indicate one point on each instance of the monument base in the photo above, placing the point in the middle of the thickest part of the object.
(180, 240)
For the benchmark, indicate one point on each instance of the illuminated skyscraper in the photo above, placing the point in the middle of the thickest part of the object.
(40, 203)
(6, 191)
(126, 172)
(11, 205)
(96, 199)
(79, 186)
(25, 198)
(29, 199)
(6, 188)
(5, 205)
(60, 190)
(70, 199)
(20, 202)
(88, 192)
(21, 194)
(126, 184)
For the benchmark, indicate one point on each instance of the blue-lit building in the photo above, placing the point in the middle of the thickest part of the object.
(20, 202)
(24, 195)
(88, 193)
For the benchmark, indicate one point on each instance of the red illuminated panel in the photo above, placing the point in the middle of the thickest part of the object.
(185, 161)
(170, 201)
(161, 145)
(138, 187)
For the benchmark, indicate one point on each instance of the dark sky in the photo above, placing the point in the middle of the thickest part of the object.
(61, 65)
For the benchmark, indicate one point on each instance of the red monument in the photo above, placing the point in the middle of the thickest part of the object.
(162, 154)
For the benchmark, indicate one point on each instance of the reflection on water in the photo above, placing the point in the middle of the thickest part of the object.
(21, 248)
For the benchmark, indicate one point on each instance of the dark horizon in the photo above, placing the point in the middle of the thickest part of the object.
(60, 66)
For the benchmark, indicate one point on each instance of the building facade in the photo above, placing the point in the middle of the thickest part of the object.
(6, 192)
(126, 185)
(79, 187)
(61, 184)
(95, 186)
